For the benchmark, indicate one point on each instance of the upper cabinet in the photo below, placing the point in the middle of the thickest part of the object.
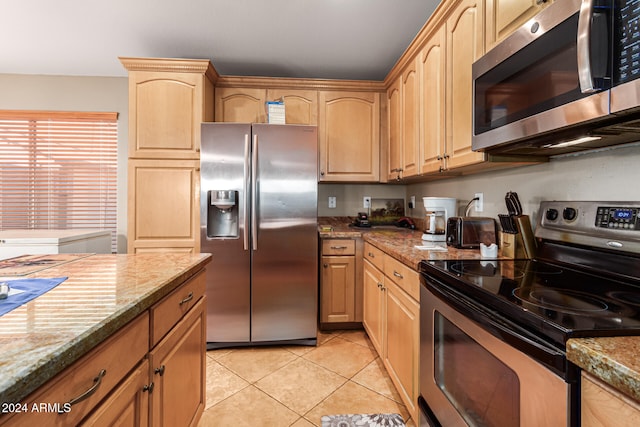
(394, 127)
(503, 17)
(168, 99)
(349, 133)
(241, 105)
(300, 106)
(464, 41)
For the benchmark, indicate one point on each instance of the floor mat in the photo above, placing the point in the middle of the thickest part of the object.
(360, 420)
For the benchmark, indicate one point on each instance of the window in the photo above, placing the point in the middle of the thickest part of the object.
(58, 170)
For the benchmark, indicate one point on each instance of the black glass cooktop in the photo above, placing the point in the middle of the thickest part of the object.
(549, 299)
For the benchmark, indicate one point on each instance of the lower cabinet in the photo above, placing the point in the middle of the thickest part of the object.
(392, 320)
(149, 373)
(603, 406)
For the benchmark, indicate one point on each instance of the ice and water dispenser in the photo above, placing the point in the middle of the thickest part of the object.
(222, 214)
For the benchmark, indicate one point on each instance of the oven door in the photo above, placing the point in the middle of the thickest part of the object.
(471, 373)
(551, 75)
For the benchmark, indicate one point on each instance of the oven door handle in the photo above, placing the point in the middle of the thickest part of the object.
(503, 329)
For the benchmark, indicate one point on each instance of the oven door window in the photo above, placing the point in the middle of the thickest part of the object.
(484, 390)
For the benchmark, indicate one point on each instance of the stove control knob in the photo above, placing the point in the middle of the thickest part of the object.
(569, 214)
(551, 214)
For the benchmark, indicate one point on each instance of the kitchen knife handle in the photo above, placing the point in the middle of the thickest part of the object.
(247, 154)
(254, 196)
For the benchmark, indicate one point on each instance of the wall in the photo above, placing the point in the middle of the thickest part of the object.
(349, 197)
(607, 175)
(68, 93)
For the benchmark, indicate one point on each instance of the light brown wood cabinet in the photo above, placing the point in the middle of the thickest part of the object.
(503, 17)
(349, 136)
(164, 206)
(392, 320)
(394, 127)
(338, 281)
(465, 44)
(603, 406)
(241, 105)
(129, 380)
(168, 101)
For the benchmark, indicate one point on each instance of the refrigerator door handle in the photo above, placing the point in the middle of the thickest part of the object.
(245, 185)
(254, 192)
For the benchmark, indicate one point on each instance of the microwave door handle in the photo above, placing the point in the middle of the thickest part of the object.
(583, 47)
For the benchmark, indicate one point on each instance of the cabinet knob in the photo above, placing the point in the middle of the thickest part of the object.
(159, 370)
(148, 388)
(322, 173)
(325, 265)
(371, 255)
(439, 157)
(395, 273)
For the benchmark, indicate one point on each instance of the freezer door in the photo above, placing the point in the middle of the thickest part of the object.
(285, 240)
(224, 165)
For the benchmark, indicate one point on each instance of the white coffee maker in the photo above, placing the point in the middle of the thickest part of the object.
(437, 212)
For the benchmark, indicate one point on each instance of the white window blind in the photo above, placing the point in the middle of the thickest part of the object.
(58, 170)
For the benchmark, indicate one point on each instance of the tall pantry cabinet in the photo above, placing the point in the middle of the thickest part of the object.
(168, 100)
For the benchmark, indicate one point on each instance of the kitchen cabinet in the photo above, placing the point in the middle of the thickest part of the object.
(94, 376)
(403, 124)
(392, 320)
(338, 281)
(151, 372)
(603, 406)
(349, 136)
(300, 106)
(168, 101)
(432, 100)
(164, 206)
(464, 45)
(503, 17)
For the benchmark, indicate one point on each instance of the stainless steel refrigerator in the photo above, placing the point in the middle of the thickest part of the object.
(259, 191)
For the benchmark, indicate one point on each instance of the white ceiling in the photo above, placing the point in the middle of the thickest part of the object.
(333, 39)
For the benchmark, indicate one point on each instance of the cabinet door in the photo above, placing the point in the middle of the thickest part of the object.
(164, 206)
(410, 120)
(349, 134)
(178, 372)
(128, 405)
(300, 106)
(338, 289)
(165, 112)
(464, 46)
(602, 405)
(503, 17)
(432, 99)
(241, 105)
(373, 306)
(402, 332)
(394, 111)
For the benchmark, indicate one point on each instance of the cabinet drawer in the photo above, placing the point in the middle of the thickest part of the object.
(405, 277)
(92, 376)
(374, 255)
(338, 247)
(166, 313)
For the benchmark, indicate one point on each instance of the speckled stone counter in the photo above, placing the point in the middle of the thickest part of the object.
(101, 295)
(399, 243)
(614, 360)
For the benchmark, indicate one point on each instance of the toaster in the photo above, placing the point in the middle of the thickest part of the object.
(467, 232)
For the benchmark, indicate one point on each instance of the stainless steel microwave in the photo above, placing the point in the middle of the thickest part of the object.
(564, 81)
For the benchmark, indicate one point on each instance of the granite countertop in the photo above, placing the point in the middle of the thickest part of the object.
(101, 295)
(614, 360)
(400, 243)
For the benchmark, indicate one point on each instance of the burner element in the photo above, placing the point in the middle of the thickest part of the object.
(562, 300)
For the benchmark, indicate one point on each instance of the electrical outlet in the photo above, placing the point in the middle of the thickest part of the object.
(479, 202)
(332, 202)
(366, 202)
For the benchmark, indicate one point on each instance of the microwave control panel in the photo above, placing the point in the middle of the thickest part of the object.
(621, 218)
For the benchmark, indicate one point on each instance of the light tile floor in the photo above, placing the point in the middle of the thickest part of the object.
(297, 385)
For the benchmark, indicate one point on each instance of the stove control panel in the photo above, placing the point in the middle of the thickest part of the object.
(621, 218)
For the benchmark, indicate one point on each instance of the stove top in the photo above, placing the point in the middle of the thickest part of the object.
(552, 300)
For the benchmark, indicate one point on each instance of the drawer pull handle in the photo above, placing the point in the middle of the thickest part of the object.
(380, 285)
(395, 273)
(159, 370)
(187, 299)
(148, 388)
(338, 247)
(96, 383)
(370, 254)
